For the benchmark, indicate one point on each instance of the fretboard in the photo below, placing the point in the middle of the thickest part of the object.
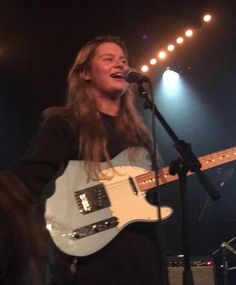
(147, 180)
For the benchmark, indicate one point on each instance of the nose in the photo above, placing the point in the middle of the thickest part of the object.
(120, 63)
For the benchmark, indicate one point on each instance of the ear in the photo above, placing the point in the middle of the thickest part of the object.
(85, 75)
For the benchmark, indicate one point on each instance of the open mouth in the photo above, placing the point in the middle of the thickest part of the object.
(118, 75)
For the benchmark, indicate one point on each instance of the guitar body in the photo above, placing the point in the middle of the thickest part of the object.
(83, 217)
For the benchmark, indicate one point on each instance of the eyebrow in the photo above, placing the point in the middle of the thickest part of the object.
(111, 54)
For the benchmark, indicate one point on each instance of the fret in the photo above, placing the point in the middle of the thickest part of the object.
(147, 180)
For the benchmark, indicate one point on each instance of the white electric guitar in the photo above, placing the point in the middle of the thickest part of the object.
(82, 217)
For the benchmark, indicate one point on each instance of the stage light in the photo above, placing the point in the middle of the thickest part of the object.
(162, 54)
(144, 68)
(207, 18)
(153, 61)
(171, 47)
(180, 40)
(170, 77)
(189, 33)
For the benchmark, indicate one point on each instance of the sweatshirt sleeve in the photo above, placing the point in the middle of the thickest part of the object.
(53, 145)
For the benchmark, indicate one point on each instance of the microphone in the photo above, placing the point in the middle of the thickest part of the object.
(132, 76)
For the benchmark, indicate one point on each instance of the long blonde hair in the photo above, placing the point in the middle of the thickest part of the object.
(81, 106)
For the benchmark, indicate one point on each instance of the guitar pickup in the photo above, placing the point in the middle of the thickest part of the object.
(92, 199)
(94, 228)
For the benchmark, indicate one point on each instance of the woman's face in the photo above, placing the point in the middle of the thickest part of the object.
(106, 71)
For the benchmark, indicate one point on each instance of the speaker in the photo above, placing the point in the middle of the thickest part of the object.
(202, 270)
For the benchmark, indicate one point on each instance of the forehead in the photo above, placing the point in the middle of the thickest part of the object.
(109, 48)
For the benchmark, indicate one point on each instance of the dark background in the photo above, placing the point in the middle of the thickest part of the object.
(38, 43)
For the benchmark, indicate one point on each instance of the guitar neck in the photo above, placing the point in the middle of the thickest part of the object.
(147, 180)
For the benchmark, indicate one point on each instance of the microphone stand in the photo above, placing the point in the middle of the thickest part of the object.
(187, 161)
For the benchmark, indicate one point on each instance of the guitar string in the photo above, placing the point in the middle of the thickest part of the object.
(129, 193)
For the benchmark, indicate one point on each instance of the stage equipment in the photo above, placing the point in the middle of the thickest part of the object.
(202, 268)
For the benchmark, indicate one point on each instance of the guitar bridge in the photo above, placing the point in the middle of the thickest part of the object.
(94, 228)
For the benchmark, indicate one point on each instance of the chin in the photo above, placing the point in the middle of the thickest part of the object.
(117, 94)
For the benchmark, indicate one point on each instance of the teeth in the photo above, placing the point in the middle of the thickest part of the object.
(117, 75)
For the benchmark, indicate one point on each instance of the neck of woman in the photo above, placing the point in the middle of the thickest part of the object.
(109, 106)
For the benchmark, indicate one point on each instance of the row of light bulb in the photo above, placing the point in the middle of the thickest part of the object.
(171, 47)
